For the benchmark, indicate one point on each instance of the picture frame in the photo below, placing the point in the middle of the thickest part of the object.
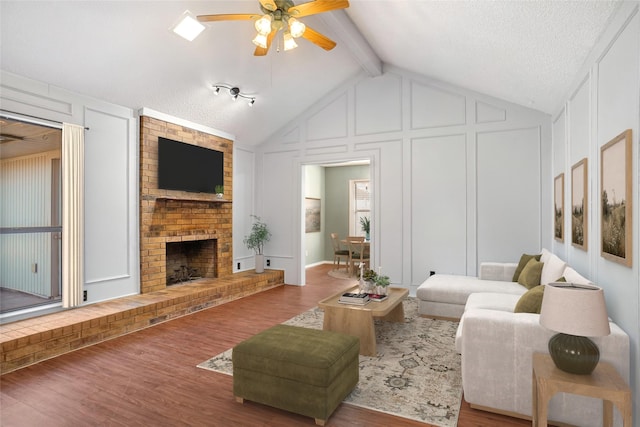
(579, 205)
(616, 199)
(558, 208)
(312, 212)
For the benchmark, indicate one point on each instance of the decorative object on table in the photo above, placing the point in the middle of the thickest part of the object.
(312, 219)
(373, 282)
(416, 358)
(579, 211)
(616, 199)
(575, 312)
(365, 223)
(256, 239)
(219, 191)
(558, 208)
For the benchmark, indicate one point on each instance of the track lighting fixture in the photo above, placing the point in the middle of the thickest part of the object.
(234, 92)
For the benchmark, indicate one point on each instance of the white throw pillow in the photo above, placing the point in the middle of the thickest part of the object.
(572, 276)
(544, 255)
(552, 269)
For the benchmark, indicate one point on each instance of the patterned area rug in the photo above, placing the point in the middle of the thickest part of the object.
(415, 375)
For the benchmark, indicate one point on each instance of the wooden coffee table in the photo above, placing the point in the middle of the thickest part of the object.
(358, 320)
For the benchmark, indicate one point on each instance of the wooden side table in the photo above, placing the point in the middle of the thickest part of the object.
(604, 383)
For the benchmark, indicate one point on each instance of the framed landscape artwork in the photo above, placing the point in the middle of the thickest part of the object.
(615, 199)
(311, 215)
(558, 208)
(579, 212)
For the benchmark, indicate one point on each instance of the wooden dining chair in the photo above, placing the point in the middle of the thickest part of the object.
(357, 253)
(339, 253)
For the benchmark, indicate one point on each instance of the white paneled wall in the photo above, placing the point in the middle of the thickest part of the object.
(457, 177)
(25, 189)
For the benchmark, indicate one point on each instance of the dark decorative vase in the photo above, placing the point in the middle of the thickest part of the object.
(573, 354)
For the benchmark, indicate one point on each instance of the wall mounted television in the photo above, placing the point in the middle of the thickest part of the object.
(186, 167)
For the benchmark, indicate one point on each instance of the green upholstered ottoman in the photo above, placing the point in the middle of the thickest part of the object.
(306, 371)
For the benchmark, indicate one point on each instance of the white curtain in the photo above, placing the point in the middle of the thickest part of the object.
(72, 214)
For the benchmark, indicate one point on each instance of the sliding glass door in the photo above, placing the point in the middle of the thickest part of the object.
(30, 215)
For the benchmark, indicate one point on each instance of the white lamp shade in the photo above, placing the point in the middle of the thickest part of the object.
(296, 27)
(263, 25)
(260, 40)
(573, 309)
(289, 42)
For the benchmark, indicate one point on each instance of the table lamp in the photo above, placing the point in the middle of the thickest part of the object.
(575, 312)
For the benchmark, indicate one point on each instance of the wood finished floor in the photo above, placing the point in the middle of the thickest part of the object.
(149, 377)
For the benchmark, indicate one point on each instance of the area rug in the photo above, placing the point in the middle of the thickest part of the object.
(415, 375)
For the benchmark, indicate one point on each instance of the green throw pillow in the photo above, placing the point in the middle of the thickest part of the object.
(530, 301)
(531, 274)
(524, 259)
(562, 279)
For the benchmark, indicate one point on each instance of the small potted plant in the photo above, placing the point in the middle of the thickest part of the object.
(365, 223)
(219, 191)
(256, 239)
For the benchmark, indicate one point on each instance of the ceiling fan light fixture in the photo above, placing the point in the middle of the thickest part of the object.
(296, 28)
(260, 40)
(289, 42)
(263, 25)
(188, 27)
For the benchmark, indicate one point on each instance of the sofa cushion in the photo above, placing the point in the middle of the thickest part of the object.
(572, 276)
(530, 301)
(531, 273)
(552, 269)
(524, 259)
(455, 289)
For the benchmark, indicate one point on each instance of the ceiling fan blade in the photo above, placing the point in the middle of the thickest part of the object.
(317, 6)
(227, 17)
(315, 37)
(268, 4)
(262, 51)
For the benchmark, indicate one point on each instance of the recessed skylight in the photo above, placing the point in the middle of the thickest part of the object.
(188, 27)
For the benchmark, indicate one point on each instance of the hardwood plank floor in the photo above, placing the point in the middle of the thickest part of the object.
(149, 377)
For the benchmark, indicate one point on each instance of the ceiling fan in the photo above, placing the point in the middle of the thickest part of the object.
(283, 15)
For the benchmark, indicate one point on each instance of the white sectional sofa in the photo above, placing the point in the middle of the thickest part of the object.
(497, 344)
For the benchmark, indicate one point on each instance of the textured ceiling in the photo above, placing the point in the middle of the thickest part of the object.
(527, 52)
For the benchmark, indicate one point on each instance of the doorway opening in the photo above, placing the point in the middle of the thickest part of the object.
(31, 215)
(332, 183)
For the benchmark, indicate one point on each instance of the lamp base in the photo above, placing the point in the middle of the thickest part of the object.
(573, 354)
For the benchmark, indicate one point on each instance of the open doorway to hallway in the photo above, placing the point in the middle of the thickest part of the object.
(335, 184)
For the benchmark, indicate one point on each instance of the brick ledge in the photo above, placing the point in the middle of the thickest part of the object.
(30, 341)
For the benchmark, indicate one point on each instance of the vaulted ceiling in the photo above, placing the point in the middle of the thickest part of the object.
(526, 52)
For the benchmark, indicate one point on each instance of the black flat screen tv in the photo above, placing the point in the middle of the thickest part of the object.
(187, 167)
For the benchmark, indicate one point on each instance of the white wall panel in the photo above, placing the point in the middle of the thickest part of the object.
(433, 107)
(559, 166)
(330, 121)
(378, 105)
(509, 194)
(579, 124)
(439, 206)
(107, 230)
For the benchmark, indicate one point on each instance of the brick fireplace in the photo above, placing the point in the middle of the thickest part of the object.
(174, 225)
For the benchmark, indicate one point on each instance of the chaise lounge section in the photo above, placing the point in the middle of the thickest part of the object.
(499, 331)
